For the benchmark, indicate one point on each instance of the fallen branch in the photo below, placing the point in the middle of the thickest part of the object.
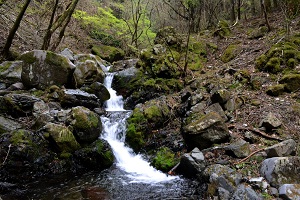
(171, 172)
(253, 153)
(9, 146)
(255, 131)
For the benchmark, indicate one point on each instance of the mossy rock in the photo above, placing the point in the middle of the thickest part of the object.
(258, 33)
(276, 90)
(134, 138)
(231, 52)
(223, 29)
(108, 53)
(86, 125)
(168, 36)
(273, 65)
(62, 137)
(164, 159)
(291, 81)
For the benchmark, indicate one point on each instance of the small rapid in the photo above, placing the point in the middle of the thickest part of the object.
(114, 129)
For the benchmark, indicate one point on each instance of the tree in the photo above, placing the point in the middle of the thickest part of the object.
(62, 20)
(12, 32)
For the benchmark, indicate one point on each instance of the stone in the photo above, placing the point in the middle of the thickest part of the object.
(41, 69)
(220, 96)
(68, 54)
(223, 194)
(204, 131)
(87, 72)
(62, 136)
(276, 90)
(196, 98)
(11, 71)
(281, 170)
(99, 90)
(71, 98)
(240, 148)
(8, 125)
(285, 148)
(159, 49)
(245, 193)
(289, 191)
(233, 104)
(16, 86)
(291, 82)
(270, 122)
(191, 164)
(218, 109)
(123, 64)
(108, 53)
(86, 124)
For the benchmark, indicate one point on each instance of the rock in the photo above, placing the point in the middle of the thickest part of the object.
(221, 176)
(68, 54)
(20, 104)
(196, 98)
(16, 86)
(42, 69)
(289, 191)
(291, 82)
(62, 136)
(276, 90)
(123, 64)
(11, 71)
(159, 49)
(99, 90)
(233, 104)
(108, 53)
(95, 156)
(281, 170)
(285, 148)
(87, 72)
(205, 130)
(245, 193)
(71, 98)
(240, 148)
(192, 164)
(8, 125)
(80, 58)
(270, 122)
(223, 194)
(86, 125)
(168, 35)
(220, 96)
(218, 109)
(41, 112)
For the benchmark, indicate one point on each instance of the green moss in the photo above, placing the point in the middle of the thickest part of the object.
(291, 63)
(65, 155)
(276, 90)
(198, 48)
(134, 138)
(108, 53)
(106, 154)
(20, 137)
(4, 66)
(230, 53)
(273, 65)
(223, 29)
(153, 112)
(291, 81)
(84, 118)
(261, 61)
(28, 57)
(38, 93)
(164, 159)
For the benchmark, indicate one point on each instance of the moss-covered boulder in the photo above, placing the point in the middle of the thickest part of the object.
(291, 82)
(86, 73)
(168, 36)
(86, 125)
(146, 117)
(62, 138)
(205, 130)
(283, 56)
(258, 33)
(11, 71)
(164, 159)
(99, 90)
(223, 29)
(97, 155)
(42, 69)
(108, 53)
(231, 52)
(276, 90)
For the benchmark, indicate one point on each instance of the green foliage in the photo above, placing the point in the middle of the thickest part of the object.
(164, 159)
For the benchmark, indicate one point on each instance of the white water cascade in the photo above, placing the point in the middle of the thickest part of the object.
(135, 167)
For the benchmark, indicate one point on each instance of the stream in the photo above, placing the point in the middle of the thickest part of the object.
(130, 177)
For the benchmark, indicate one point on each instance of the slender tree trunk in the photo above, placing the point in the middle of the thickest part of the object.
(239, 10)
(253, 10)
(47, 37)
(14, 29)
(187, 49)
(232, 13)
(265, 15)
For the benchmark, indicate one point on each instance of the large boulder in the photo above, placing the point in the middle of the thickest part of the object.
(64, 140)
(289, 191)
(87, 72)
(71, 98)
(281, 170)
(8, 125)
(86, 125)
(42, 69)
(204, 131)
(285, 148)
(108, 53)
(99, 90)
(291, 82)
(11, 71)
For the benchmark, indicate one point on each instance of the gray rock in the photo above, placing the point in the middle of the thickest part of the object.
(123, 64)
(8, 125)
(87, 72)
(281, 170)
(196, 98)
(273, 191)
(16, 86)
(223, 194)
(290, 191)
(245, 193)
(233, 104)
(282, 149)
(203, 131)
(12, 70)
(218, 109)
(41, 69)
(220, 96)
(99, 90)
(191, 164)
(240, 148)
(71, 98)
(270, 122)
(68, 54)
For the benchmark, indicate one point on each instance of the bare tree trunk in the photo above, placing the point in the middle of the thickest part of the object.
(253, 10)
(13, 31)
(239, 9)
(232, 13)
(265, 15)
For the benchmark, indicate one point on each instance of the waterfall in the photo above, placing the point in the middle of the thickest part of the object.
(135, 167)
